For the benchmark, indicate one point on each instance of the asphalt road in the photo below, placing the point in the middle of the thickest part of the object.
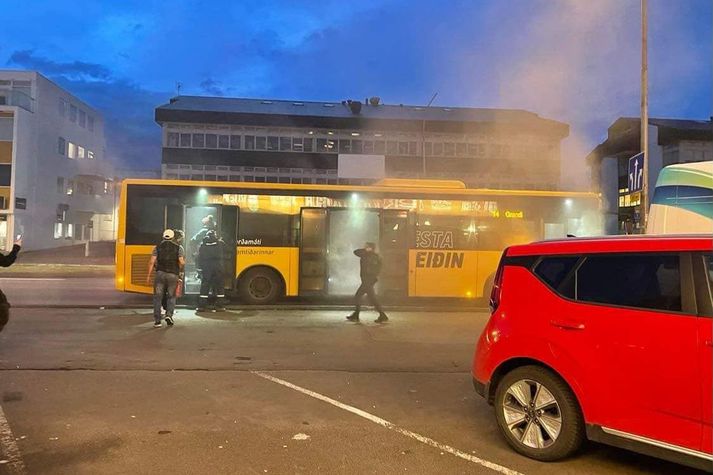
(101, 391)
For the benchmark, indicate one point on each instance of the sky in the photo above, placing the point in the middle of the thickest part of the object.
(576, 61)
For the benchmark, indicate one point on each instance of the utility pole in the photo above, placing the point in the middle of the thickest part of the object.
(644, 114)
(423, 138)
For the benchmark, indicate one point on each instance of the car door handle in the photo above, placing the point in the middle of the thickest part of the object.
(567, 325)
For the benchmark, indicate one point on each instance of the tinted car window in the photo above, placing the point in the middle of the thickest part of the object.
(651, 281)
(555, 272)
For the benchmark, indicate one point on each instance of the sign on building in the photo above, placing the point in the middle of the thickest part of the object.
(636, 173)
(353, 165)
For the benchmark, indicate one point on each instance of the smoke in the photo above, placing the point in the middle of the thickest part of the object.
(579, 62)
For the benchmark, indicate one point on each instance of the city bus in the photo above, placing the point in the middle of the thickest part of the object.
(436, 238)
(683, 200)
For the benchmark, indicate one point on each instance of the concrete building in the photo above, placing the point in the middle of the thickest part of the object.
(350, 142)
(670, 141)
(55, 185)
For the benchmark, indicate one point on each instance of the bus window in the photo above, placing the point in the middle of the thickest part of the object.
(267, 229)
(446, 232)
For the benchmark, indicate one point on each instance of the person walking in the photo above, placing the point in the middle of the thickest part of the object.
(6, 260)
(168, 260)
(210, 261)
(370, 267)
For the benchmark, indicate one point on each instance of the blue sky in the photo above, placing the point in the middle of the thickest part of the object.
(572, 60)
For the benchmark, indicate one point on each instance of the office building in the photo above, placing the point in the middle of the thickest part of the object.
(55, 185)
(670, 141)
(355, 142)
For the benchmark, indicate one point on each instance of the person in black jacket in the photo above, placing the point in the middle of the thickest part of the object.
(168, 260)
(210, 261)
(6, 260)
(370, 267)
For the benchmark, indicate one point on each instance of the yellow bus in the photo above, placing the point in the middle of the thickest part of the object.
(436, 238)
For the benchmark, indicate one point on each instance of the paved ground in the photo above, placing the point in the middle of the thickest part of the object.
(90, 391)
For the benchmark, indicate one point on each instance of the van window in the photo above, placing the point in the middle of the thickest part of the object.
(650, 281)
(555, 272)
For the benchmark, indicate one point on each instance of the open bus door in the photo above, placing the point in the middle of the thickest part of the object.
(226, 222)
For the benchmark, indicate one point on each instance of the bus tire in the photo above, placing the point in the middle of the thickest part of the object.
(260, 286)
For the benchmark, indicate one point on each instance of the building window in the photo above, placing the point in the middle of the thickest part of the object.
(285, 144)
(449, 149)
(224, 141)
(403, 148)
(211, 141)
(357, 146)
(80, 152)
(90, 155)
(259, 179)
(438, 148)
(198, 140)
(461, 149)
(72, 113)
(345, 146)
(272, 143)
(297, 145)
(380, 147)
(61, 146)
(368, 146)
(308, 144)
(249, 142)
(82, 118)
(392, 148)
(413, 148)
(71, 150)
(271, 179)
(62, 107)
(185, 140)
(172, 139)
(60, 184)
(70, 231)
(90, 123)
(57, 230)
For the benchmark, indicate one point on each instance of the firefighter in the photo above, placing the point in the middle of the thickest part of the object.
(210, 261)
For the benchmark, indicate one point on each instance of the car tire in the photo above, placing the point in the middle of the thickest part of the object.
(260, 286)
(551, 429)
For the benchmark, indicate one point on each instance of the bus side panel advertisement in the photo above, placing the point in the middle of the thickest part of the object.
(282, 259)
(442, 273)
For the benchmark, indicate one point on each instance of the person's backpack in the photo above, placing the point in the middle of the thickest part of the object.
(4, 310)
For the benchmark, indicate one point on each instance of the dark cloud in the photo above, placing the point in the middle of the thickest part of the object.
(212, 87)
(133, 138)
(29, 60)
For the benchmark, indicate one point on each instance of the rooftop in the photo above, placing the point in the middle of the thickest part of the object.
(224, 110)
(623, 136)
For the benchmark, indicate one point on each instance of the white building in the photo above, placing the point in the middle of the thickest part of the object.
(55, 185)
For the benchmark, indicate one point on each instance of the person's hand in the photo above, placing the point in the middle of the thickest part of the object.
(18, 242)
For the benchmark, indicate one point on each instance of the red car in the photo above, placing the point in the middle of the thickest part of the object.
(606, 339)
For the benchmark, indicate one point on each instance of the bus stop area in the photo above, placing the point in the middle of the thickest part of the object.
(90, 390)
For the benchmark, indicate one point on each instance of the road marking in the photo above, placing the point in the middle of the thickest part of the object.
(390, 425)
(9, 451)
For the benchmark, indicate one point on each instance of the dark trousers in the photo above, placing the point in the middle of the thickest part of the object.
(367, 288)
(164, 283)
(212, 284)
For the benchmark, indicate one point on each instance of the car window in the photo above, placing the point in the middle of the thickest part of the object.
(651, 281)
(554, 272)
(709, 270)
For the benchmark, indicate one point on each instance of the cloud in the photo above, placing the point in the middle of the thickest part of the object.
(133, 138)
(212, 87)
(77, 69)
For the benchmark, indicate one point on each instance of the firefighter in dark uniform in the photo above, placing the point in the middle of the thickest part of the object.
(370, 267)
(210, 261)
(197, 240)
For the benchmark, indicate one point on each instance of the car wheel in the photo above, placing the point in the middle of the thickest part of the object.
(260, 286)
(538, 414)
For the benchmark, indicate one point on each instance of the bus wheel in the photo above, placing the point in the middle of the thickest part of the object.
(259, 286)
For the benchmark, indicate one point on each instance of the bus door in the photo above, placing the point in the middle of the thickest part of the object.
(349, 229)
(393, 247)
(313, 251)
(193, 217)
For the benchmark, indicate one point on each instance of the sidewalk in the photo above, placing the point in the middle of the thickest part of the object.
(64, 262)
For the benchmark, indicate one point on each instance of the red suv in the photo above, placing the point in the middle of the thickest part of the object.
(606, 339)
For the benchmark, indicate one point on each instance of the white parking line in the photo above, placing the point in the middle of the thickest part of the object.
(10, 455)
(391, 426)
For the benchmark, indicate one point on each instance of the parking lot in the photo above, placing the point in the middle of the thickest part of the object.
(282, 391)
